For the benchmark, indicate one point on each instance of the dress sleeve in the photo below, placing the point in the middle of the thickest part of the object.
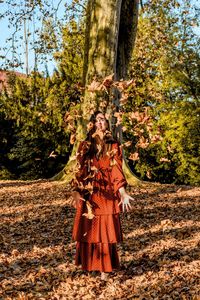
(117, 176)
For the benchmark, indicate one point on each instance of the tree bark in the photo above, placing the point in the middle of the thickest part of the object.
(111, 27)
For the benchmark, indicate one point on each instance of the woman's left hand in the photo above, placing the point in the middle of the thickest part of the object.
(125, 200)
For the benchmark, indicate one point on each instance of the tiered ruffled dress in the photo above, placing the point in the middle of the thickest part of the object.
(97, 238)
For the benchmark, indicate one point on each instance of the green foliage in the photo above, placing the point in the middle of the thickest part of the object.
(7, 141)
(181, 125)
(165, 67)
(36, 106)
(70, 58)
(5, 174)
(175, 157)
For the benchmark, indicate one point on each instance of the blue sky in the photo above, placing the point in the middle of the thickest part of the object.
(7, 32)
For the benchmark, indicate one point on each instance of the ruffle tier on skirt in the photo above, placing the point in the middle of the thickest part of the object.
(100, 229)
(96, 242)
(101, 257)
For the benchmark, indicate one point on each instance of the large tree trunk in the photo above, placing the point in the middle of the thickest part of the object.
(111, 27)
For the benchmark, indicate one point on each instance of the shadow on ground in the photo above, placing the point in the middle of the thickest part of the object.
(36, 250)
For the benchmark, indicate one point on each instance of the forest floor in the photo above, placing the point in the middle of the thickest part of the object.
(160, 254)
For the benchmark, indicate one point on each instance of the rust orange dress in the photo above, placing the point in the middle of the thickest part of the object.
(97, 237)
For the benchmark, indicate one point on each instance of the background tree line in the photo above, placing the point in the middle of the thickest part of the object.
(160, 115)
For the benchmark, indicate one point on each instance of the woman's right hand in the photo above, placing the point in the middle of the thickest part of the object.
(76, 199)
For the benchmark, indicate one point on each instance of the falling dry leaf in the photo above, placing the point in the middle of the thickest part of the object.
(127, 144)
(142, 143)
(134, 156)
(72, 139)
(164, 159)
(148, 174)
(113, 162)
(52, 154)
(90, 125)
(89, 215)
(94, 86)
(107, 82)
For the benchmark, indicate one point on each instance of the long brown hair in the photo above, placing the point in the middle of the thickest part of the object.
(95, 141)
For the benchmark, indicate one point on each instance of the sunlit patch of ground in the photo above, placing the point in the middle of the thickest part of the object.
(160, 255)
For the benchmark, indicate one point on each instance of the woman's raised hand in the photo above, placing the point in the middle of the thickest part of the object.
(125, 200)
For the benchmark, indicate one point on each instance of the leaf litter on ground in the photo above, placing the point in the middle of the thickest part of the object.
(160, 254)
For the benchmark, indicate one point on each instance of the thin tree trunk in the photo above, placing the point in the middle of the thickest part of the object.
(26, 47)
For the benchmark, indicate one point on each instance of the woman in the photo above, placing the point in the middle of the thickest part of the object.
(99, 197)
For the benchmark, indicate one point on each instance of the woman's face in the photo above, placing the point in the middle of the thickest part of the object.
(101, 123)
